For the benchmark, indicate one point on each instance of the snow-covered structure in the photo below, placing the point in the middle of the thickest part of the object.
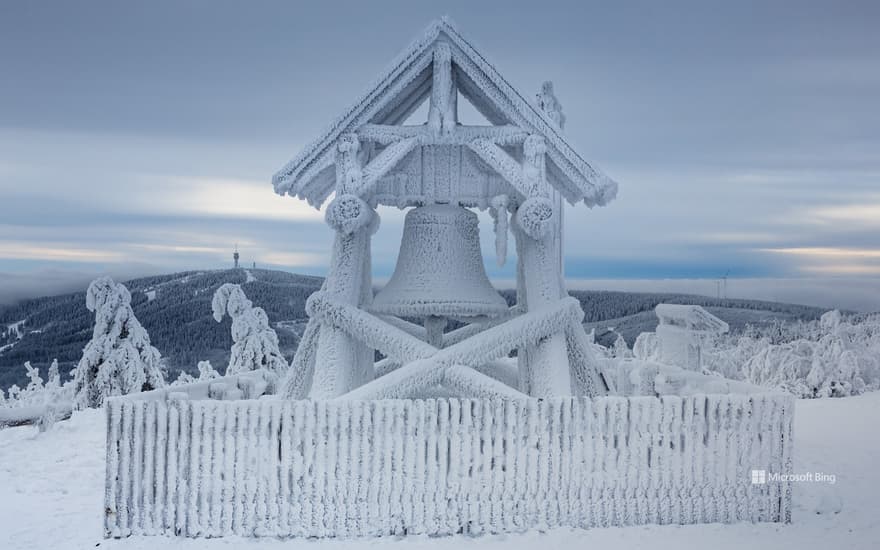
(684, 331)
(518, 166)
(502, 424)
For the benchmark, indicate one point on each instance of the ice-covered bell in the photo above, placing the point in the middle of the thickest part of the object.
(439, 269)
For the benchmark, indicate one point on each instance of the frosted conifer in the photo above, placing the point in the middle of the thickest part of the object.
(14, 393)
(35, 383)
(255, 344)
(54, 377)
(119, 358)
(206, 371)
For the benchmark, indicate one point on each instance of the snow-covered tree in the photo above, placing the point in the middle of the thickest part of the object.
(183, 378)
(833, 357)
(255, 344)
(38, 392)
(119, 358)
(206, 371)
(14, 393)
(620, 350)
(54, 379)
(35, 381)
(52, 394)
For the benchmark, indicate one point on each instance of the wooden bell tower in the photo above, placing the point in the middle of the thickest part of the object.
(519, 166)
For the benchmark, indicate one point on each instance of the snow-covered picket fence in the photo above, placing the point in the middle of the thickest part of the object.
(272, 467)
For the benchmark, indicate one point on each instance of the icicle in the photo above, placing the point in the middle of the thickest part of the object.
(499, 213)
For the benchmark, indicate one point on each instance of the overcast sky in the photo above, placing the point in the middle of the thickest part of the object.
(141, 138)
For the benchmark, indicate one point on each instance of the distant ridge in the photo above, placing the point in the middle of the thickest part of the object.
(176, 310)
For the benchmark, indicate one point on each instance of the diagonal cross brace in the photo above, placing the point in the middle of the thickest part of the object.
(369, 329)
(464, 365)
(383, 163)
(493, 343)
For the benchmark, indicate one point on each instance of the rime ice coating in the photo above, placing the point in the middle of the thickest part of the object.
(442, 466)
(440, 268)
(441, 57)
(119, 358)
(255, 344)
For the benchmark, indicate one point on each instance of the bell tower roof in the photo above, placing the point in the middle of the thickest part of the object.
(442, 160)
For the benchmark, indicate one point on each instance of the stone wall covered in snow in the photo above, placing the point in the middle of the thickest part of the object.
(270, 467)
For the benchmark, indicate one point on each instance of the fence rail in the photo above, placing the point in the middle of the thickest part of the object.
(439, 466)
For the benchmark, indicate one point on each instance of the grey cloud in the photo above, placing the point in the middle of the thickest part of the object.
(727, 125)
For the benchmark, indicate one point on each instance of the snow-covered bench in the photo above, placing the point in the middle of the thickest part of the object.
(247, 385)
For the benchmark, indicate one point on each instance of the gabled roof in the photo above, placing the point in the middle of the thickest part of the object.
(690, 317)
(404, 86)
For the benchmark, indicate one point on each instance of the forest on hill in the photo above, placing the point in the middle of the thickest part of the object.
(176, 311)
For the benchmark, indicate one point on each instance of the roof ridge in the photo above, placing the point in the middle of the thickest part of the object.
(281, 179)
(407, 68)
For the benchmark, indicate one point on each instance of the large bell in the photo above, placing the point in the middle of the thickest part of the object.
(439, 270)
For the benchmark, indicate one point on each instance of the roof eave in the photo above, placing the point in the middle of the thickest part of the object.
(585, 183)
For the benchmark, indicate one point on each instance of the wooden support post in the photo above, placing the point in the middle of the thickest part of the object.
(302, 368)
(443, 107)
(544, 368)
(558, 251)
(366, 354)
(434, 327)
(341, 363)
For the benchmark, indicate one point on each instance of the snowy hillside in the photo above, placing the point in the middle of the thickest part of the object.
(52, 487)
(176, 311)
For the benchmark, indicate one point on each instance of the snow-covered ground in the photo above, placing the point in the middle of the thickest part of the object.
(52, 486)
